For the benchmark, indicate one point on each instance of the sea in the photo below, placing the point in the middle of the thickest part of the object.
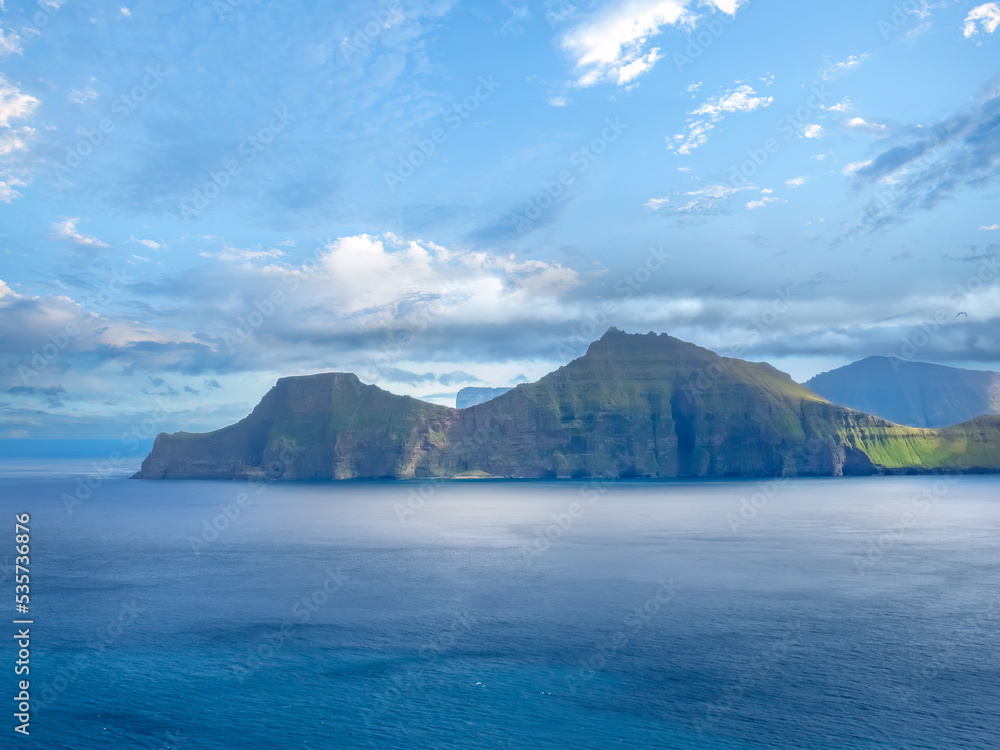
(828, 614)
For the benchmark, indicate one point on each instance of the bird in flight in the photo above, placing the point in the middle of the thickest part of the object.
(962, 313)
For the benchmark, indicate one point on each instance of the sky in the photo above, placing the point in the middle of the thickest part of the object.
(198, 200)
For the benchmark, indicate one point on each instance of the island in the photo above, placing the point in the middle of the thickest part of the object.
(634, 406)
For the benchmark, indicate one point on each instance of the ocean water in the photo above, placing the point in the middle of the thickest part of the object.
(823, 614)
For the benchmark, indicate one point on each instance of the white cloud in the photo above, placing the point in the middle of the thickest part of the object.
(990, 228)
(752, 205)
(386, 272)
(514, 25)
(614, 43)
(628, 73)
(988, 17)
(796, 182)
(812, 131)
(351, 300)
(741, 99)
(844, 106)
(13, 106)
(854, 167)
(616, 38)
(10, 43)
(12, 140)
(240, 255)
(558, 101)
(708, 199)
(7, 191)
(126, 12)
(151, 244)
(82, 97)
(68, 231)
(697, 134)
(860, 123)
(693, 87)
(843, 66)
(729, 7)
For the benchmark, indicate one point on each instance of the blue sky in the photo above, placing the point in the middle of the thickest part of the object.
(195, 202)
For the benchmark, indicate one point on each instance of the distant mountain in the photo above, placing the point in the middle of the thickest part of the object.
(475, 395)
(911, 393)
(632, 406)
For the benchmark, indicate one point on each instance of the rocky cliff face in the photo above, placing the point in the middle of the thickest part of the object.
(633, 406)
(329, 426)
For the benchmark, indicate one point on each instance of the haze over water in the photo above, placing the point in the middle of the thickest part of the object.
(514, 614)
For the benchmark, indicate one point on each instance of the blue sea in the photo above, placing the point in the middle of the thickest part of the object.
(825, 614)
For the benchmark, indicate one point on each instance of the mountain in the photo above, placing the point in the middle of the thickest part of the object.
(911, 393)
(473, 395)
(632, 406)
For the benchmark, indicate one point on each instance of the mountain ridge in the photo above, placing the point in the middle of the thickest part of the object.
(917, 394)
(635, 405)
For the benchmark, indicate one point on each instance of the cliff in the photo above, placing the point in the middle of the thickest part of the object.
(632, 406)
